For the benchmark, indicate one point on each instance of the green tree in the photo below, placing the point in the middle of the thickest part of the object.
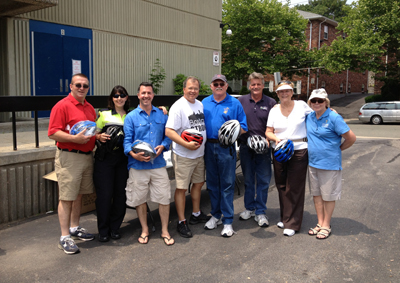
(267, 37)
(157, 76)
(333, 9)
(371, 41)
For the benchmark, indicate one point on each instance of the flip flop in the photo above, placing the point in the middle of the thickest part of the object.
(314, 230)
(144, 239)
(168, 239)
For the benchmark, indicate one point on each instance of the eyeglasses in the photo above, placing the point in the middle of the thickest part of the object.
(319, 100)
(218, 84)
(285, 82)
(80, 85)
(122, 95)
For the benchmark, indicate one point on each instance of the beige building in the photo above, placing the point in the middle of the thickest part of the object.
(43, 42)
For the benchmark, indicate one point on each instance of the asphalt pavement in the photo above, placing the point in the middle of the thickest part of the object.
(363, 247)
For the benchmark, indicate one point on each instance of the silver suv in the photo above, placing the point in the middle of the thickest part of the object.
(378, 112)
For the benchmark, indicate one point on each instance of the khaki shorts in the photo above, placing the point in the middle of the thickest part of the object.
(149, 184)
(74, 174)
(325, 183)
(188, 170)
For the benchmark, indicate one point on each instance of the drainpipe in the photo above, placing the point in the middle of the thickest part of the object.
(319, 46)
(309, 48)
(347, 82)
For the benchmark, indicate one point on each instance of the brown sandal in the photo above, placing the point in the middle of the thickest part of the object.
(314, 231)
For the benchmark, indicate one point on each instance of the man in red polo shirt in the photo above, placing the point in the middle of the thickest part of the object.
(73, 161)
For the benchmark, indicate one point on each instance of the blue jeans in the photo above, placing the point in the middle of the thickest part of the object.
(220, 177)
(256, 170)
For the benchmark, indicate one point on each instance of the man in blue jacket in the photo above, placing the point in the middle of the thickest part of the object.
(148, 178)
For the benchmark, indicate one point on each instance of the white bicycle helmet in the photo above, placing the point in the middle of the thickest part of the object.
(257, 143)
(229, 133)
(141, 146)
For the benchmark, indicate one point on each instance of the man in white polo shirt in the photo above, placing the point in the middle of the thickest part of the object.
(187, 157)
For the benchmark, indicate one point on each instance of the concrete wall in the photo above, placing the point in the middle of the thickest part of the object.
(23, 191)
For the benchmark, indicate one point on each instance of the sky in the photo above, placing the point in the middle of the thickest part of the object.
(296, 2)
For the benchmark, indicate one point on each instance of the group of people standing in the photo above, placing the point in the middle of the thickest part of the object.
(122, 177)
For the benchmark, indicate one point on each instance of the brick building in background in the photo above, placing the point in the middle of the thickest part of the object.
(321, 30)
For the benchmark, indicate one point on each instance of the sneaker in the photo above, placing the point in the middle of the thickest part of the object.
(183, 230)
(227, 231)
(68, 246)
(212, 223)
(82, 234)
(247, 214)
(262, 220)
(202, 218)
(289, 232)
(280, 224)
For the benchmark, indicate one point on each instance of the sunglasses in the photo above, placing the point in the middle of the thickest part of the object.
(218, 84)
(319, 100)
(80, 85)
(284, 82)
(122, 95)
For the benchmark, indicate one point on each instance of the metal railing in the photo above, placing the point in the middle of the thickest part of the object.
(15, 104)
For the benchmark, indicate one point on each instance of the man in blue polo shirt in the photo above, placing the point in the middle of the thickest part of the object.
(221, 162)
(147, 123)
(256, 105)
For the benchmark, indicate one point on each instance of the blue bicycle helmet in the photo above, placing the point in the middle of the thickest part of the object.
(284, 151)
(82, 125)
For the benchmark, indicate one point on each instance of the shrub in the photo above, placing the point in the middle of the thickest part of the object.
(244, 90)
(157, 76)
(271, 94)
(374, 98)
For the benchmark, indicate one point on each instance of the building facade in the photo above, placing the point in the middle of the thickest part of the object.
(113, 42)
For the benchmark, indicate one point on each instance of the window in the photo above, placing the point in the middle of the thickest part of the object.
(390, 106)
(398, 105)
(294, 87)
(323, 84)
(341, 87)
(325, 32)
(371, 106)
(349, 88)
(362, 88)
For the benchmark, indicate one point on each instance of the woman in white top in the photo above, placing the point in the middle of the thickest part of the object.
(287, 121)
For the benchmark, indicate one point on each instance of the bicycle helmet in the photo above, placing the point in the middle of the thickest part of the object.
(192, 135)
(284, 151)
(82, 125)
(116, 134)
(257, 143)
(141, 146)
(229, 132)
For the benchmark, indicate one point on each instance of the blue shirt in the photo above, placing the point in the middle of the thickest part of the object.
(140, 126)
(324, 140)
(217, 113)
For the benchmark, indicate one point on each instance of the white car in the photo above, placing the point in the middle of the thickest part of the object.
(380, 112)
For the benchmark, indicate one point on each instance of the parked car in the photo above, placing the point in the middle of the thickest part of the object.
(380, 112)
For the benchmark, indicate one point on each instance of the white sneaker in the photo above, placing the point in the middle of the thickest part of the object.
(289, 232)
(227, 231)
(247, 214)
(212, 223)
(262, 220)
(280, 224)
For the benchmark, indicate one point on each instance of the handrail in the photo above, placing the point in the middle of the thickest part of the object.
(46, 102)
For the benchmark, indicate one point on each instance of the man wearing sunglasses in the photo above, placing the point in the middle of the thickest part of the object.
(221, 161)
(73, 161)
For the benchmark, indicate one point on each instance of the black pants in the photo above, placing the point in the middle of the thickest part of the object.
(110, 176)
(290, 180)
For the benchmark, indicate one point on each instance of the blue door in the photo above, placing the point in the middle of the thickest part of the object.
(58, 52)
